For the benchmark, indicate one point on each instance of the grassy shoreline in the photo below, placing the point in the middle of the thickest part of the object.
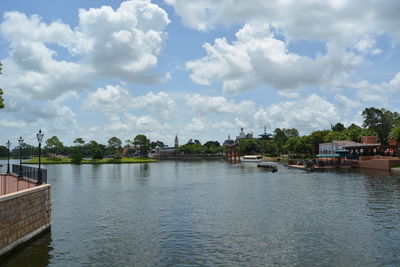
(90, 161)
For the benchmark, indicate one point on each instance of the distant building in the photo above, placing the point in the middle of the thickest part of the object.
(334, 146)
(176, 142)
(369, 146)
(231, 152)
(243, 135)
(229, 142)
(265, 135)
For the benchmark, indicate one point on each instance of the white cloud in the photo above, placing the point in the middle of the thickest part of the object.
(378, 92)
(122, 43)
(196, 126)
(305, 114)
(218, 104)
(257, 56)
(110, 99)
(301, 19)
(116, 99)
(289, 94)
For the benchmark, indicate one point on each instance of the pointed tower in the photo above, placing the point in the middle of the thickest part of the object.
(176, 143)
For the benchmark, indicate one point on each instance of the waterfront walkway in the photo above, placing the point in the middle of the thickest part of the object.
(9, 183)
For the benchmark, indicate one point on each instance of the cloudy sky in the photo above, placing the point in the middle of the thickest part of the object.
(200, 69)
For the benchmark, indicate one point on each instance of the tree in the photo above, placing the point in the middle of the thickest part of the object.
(381, 121)
(280, 138)
(355, 132)
(268, 147)
(114, 145)
(1, 99)
(3, 151)
(98, 152)
(338, 127)
(247, 146)
(395, 134)
(157, 144)
(76, 155)
(291, 132)
(79, 141)
(95, 149)
(335, 136)
(316, 138)
(54, 145)
(1, 91)
(142, 143)
(212, 143)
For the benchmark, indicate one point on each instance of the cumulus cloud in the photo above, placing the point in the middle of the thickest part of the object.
(127, 124)
(257, 56)
(122, 43)
(114, 99)
(305, 114)
(376, 92)
(301, 19)
(218, 104)
(196, 126)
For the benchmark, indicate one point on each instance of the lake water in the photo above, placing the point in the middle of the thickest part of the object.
(209, 213)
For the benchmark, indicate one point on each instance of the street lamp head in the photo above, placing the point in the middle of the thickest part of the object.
(20, 141)
(8, 144)
(40, 136)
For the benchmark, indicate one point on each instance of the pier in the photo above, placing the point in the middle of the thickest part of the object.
(25, 206)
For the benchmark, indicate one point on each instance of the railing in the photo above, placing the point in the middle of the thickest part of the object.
(30, 172)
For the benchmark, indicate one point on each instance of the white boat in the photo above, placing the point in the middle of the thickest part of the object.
(252, 158)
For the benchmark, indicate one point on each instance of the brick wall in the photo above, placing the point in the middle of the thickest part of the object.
(23, 215)
(379, 164)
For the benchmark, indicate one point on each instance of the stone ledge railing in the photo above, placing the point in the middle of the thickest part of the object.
(23, 215)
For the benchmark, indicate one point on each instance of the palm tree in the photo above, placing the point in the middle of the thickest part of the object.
(395, 134)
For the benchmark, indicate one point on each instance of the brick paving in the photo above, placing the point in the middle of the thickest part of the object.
(10, 183)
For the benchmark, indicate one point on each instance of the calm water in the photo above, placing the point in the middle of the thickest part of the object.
(215, 213)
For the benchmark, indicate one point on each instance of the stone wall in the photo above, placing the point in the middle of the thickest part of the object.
(379, 164)
(23, 215)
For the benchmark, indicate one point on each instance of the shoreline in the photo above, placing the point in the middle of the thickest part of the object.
(50, 161)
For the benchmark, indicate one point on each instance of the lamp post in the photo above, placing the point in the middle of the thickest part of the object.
(39, 137)
(8, 144)
(20, 142)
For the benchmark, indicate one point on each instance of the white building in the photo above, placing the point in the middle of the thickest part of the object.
(334, 146)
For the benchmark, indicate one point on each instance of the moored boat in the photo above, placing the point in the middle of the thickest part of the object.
(252, 158)
(267, 166)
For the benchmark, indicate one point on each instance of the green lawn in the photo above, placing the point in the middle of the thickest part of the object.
(35, 160)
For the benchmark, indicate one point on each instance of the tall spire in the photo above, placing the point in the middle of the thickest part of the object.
(176, 143)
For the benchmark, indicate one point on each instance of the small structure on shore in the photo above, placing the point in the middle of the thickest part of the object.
(367, 154)
(231, 152)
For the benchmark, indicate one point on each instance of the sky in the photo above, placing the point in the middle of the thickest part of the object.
(199, 69)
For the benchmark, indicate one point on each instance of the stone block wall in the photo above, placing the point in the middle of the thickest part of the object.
(23, 215)
(379, 164)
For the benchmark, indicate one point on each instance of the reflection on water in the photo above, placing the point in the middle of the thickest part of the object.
(35, 253)
(217, 213)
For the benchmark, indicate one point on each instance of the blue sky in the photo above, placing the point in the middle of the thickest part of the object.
(198, 69)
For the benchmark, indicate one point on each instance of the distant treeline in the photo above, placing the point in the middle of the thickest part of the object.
(377, 122)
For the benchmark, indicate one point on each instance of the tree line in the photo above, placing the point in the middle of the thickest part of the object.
(382, 123)
(54, 147)
(377, 122)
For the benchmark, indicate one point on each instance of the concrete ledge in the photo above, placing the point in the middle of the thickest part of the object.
(24, 239)
(395, 170)
(23, 192)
